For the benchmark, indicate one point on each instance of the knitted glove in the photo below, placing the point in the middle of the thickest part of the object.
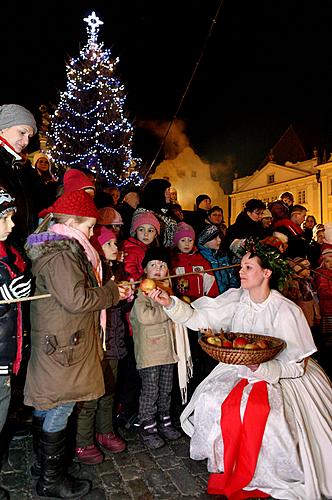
(19, 287)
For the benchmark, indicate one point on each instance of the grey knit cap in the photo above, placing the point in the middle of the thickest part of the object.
(14, 114)
(209, 233)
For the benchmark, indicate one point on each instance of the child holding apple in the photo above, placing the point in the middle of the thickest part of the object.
(155, 353)
(264, 429)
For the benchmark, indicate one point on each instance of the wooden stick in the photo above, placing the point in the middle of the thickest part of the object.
(181, 275)
(24, 299)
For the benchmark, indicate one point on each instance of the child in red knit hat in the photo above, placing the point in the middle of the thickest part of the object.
(67, 332)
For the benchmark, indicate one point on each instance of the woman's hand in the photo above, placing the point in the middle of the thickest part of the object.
(253, 368)
(160, 296)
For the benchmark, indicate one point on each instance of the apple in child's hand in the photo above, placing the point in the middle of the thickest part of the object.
(240, 342)
(147, 285)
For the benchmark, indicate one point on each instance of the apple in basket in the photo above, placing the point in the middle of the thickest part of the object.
(263, 344)
(214, 341)
(254, 345)
(147, 285)
(240, 342)
(227, 343)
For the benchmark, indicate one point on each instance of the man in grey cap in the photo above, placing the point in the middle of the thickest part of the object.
(17, 126)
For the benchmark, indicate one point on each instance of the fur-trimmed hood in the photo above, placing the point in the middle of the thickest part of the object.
(42, 247)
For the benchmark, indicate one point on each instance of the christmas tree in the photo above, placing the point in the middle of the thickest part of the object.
(89, 129)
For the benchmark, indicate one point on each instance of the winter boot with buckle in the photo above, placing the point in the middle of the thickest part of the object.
(35, 469)
(166, 429)
(53, 482)
(111, 442)
(149, 434)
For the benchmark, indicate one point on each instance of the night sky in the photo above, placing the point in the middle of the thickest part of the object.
(267, 64)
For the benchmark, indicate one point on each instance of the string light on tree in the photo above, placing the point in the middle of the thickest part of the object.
(90, 128)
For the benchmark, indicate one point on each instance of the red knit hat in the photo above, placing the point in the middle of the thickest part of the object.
(102, 235)
(183, 230)
(74, 179)
(74, 203)
(141, 217)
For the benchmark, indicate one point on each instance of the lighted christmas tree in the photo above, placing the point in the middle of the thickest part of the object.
(89, 129)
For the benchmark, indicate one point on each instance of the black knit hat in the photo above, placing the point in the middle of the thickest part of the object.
(156, 253)
(200, 198)
(209, 233)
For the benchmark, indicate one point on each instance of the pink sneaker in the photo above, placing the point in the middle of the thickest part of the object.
(89, 455)
(111, 442)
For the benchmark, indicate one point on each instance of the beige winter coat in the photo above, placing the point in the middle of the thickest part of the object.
(152, 333)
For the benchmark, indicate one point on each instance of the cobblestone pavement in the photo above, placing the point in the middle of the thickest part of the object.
(138, 473)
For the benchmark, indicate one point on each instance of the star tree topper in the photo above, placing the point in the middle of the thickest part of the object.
(93, 26)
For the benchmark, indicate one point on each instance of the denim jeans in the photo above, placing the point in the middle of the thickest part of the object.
(55, 418)
(4, 398)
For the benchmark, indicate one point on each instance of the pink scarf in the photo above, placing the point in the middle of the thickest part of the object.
(92, 256)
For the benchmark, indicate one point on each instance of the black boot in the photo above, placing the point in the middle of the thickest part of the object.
(35, 470)
(166, 429)
(37, 425)
(4, 495)
(53, 482)
(149, 434)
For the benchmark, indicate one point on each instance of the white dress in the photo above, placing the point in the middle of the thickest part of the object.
(295, 458)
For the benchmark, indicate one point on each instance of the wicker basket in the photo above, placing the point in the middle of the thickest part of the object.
(241, 356)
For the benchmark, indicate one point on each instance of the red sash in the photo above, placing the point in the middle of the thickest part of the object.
(242, 441)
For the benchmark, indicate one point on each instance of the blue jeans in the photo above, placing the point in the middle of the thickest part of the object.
(4, 398)
(56, 418)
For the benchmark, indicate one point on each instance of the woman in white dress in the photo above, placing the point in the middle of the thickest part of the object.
(264, 429)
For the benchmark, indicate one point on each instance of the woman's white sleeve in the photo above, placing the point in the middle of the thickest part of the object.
(272, 371)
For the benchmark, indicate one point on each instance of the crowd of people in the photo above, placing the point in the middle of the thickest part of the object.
(104, 346)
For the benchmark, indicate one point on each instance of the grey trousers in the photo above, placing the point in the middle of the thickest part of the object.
(155, 397)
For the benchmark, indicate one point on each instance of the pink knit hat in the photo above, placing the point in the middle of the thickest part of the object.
(108, 216)
(141, 217)
(74, 179)
(102, 235)
(183, 230)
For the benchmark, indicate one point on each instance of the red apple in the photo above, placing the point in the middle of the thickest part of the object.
(240, 342)
(227, 343)
(147, 285)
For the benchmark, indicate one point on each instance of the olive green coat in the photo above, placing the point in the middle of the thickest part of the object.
(66, 352)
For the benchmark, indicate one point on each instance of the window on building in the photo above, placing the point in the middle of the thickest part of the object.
(270, 179)
(181, 173)
(193, 173)
(301, 197)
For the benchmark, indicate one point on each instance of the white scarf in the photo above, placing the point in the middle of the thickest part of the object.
(185, 365)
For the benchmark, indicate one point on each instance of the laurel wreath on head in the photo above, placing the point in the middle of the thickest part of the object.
(271, 258)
